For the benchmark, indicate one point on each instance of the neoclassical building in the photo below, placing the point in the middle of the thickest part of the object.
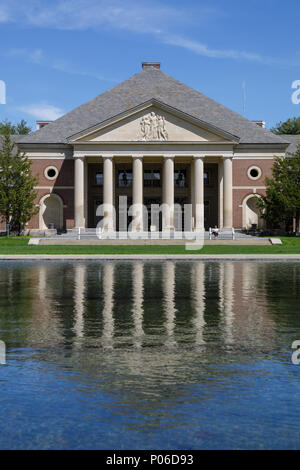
(156, 141)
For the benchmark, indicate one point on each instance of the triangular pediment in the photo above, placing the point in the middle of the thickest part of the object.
(153, 122)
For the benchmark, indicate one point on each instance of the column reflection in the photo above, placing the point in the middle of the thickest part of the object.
(198, 290)
(108, 300)
(226, 295)
(47, 326)
(138, 300)
(169, 300)
(79, 299)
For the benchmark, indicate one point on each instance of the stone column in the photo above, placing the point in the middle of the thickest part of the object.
(192, 194)
(220, 188)
(79, 193)
(137, 192)
(199, 192)
(108, 193)
(227, 192)
(168, 193)
(86, 185)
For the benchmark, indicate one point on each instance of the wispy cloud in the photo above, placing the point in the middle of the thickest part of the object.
(4, 16)
(202, 49)
(136, 16)
(32, 56)
(42, 111)
(38, 56)
(133, 15)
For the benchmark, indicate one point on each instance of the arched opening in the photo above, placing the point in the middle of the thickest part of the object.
(51, 212)
(251, 213)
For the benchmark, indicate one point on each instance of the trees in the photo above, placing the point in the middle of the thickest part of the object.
(17, 184)
(281, 203)
(291, 126)
(21, 128)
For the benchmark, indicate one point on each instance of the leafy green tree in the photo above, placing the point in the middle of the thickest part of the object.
(17, 194)
(21, 128)
(291, 126)
(7, 126)
(282, 200)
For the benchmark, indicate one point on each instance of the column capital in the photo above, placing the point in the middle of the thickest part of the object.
(197, 156)
(137, 157)
(227, 157)
(78, 156)
(108, 157)
(169, 156)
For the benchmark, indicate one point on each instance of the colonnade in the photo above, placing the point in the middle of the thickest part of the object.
(167, 191)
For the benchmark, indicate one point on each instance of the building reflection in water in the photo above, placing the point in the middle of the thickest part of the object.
(139, 304)
(168, 280)
(226, 293)
(79, 300)
(108, 299)
(149, 346)
(198, 296)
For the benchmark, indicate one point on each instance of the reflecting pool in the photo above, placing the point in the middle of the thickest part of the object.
(149, 355)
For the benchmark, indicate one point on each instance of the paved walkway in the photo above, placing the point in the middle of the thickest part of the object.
(187, 257)
(251, 241)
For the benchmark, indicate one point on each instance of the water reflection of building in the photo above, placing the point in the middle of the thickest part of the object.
(167, 303)
(79, 296)
(198, 295)
(148, 342)
(108, 299)
(169, 300)
(213, 313)
(137, 304)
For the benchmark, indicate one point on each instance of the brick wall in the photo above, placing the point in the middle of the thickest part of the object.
(58, 186)
(247, 185)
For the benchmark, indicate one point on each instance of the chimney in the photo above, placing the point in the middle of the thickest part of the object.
(40, 124)
(260, 123)
(150, 65)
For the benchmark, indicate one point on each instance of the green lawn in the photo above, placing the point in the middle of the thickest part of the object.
(19, 245)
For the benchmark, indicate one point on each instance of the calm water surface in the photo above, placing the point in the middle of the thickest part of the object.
(149, 355)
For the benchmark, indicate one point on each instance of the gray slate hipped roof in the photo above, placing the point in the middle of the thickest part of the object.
(294, 141)
(142, 87)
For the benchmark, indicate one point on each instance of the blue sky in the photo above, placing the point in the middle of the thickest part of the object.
(57, 55)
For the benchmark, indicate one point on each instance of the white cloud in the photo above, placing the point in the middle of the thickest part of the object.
(136, 16)
(4, 16)
(204, 50)
(38, 56)
(133, 15)
(42, 111)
